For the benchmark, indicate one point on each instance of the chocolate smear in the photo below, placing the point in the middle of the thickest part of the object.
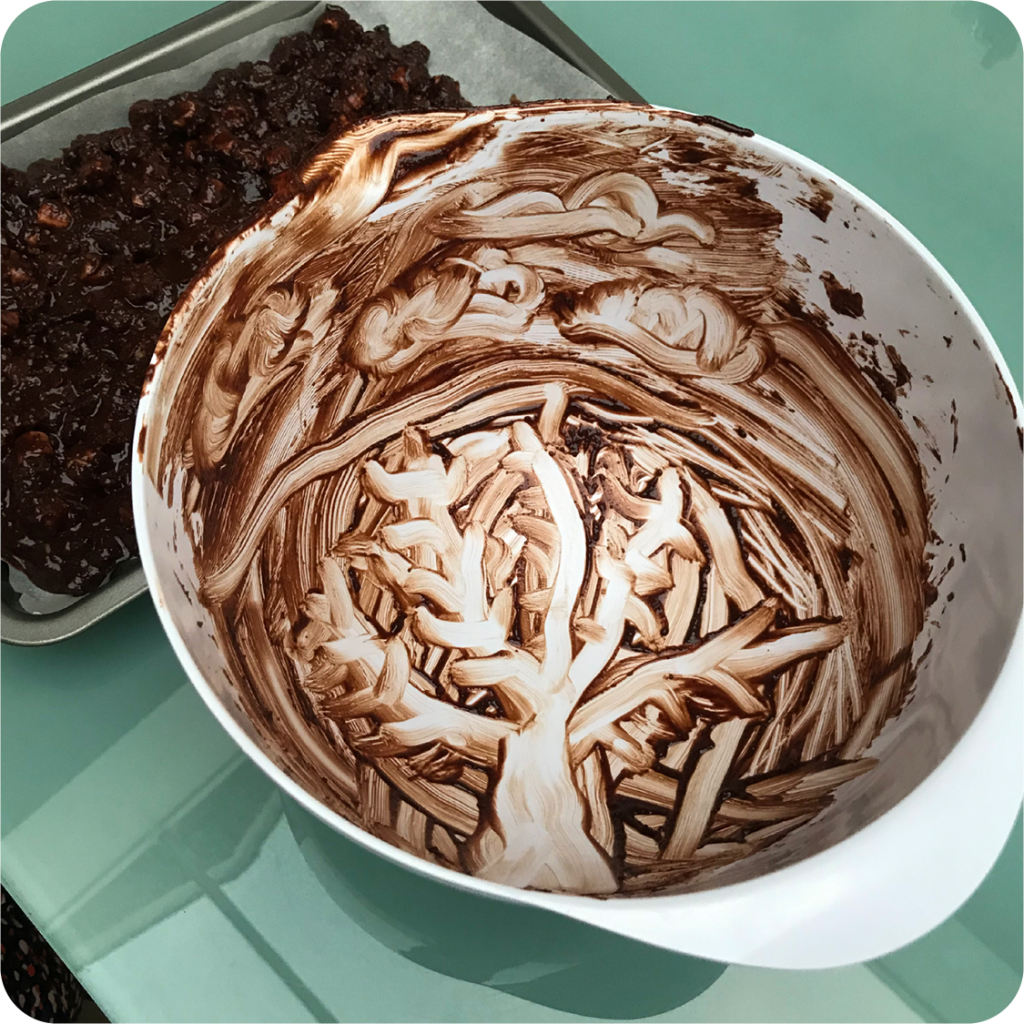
(844, 301)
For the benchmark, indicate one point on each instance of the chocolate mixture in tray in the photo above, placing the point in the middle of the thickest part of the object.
(99, 243)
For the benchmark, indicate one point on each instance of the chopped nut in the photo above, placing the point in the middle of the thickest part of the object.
(31, 445)
(214, 193)
(53, 215)
(223, 142)
(330, 21)
(95, 173)
(184, 111)
(143, 198)
(93, 269)
(235, 115)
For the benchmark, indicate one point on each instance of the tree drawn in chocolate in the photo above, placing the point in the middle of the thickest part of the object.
(477, 583)
(599, 608)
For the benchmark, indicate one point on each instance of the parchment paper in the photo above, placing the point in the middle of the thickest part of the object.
(490, 60)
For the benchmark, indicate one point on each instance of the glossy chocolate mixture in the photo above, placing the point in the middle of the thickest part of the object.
(99, 243)
(543, 540)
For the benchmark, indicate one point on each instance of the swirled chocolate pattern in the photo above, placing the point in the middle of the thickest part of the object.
(543, 539)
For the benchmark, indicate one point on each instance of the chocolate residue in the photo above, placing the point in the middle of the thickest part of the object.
(491, 548)
(923, 656)
(963, 553)
(886, 388)
(787, 301)
(819, 202)
(845, 301)
(902, 373)
(869, 338)
(1009, 393)
(726, 126)
(947, 339)
(946, 571)
(147, 380)
(931, 443)
(956, 424)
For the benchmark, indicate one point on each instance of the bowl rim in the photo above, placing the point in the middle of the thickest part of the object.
(813, 879)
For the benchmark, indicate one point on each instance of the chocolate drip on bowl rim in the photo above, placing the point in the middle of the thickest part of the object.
(541, 538)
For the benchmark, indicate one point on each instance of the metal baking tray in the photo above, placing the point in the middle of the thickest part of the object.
(178, 46)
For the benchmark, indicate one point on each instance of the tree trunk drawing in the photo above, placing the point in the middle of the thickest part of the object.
(534, 833)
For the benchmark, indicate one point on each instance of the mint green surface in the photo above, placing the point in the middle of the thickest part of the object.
(56, 38)
(181, 885)
(919, 105)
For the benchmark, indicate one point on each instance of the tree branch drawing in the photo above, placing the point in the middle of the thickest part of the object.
(480, 572)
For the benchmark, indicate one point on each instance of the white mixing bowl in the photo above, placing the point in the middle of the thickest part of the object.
(703, 266)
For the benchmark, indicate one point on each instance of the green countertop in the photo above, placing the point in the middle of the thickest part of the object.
(180, 884)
